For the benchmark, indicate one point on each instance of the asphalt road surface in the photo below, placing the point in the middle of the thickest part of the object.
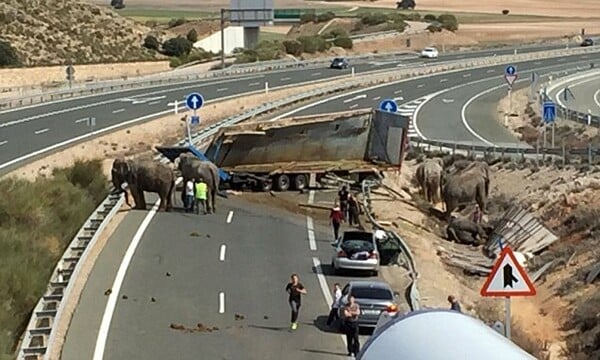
(439, 100)
(36, 128)
(586, 95)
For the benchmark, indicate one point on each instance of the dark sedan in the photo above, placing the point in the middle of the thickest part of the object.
(373, 298)
(339, 63)
(587, 42)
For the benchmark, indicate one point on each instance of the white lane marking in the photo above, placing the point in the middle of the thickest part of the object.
(254, 84)
(399, 98)
(466, 75)
(315, 74)
(324, 288)
(447, 101)
(597, 97)
(361, 96)
(463, 112)
(154, 102)
(229, 216)
(397, 91)
(311, 233)
(572, 83)
(311, 196)
(443, 80)
(221, 302)
(420, 85)
(222, 89)
(41, 131)
(222, 252)
(3, 142)
(118, 111)
(377, 98)
(560, 59)
(415, 116)
(353, 106)
(537, 63)
(490, 71)
(285, 79)
(81, 120)
(116, 286)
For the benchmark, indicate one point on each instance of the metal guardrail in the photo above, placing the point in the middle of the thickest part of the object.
(412, 291)
(40, 336)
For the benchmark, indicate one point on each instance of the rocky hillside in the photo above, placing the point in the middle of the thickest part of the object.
(48, 32)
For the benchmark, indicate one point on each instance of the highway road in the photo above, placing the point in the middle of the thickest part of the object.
(25, 131)
(586, 94)
(450, 106)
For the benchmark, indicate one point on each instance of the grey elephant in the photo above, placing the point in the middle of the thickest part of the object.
(466, 165)
(465, 231)
(193, 168)
(428, 176)
(143, 176)
(464, 187)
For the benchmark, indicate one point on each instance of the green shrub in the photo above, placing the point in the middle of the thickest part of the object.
(343, 42)
(246, 56)
(192, 36)
(8, 55)
(413, 17)
(398, 26)
(309, 17)
(176, 22)
(313, 44)
(178, 46)
(429, 18)
(293, 47)
(434, 27)
(325, 17)
(269, 50)
(448, 22)
(372, 19)
(34, 232)
(335, 33)
(151, 42)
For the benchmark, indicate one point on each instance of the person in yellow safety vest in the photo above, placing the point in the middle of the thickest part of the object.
(200, 193)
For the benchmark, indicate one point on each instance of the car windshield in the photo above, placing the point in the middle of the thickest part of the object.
(428, 49)
(338, 60)
(371, 293)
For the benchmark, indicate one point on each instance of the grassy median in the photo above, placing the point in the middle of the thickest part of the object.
(37, 222)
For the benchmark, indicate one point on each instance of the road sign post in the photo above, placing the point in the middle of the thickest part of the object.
(510, 76)
(507, 279)
(388, 105)
(193, 101)
(91, 122)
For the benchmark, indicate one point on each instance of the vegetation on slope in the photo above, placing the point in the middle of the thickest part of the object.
(37, 222)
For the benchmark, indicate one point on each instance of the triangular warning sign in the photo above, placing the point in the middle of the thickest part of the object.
(508, 278)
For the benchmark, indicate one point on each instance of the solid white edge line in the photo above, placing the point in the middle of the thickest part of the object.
(116, 287)
(229, 216)
(311, 196)
(324, 288)
(222, 252)
(463, 113)
(311, 233)
(572, 82)
(597, 97)
(221, 302)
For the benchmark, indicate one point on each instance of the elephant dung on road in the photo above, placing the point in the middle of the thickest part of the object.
(464, 186)
(428, 175)
(193, 168)
(140, 176)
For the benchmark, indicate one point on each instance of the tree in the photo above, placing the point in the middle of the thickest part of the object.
(406, 4)
(8, 55)
(192, 36)
(343, 42)
(151, 42)
(177, 46)
(117, 4)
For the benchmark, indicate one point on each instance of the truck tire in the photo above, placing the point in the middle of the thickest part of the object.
(283, 182)
(265, 186)
(300, 182)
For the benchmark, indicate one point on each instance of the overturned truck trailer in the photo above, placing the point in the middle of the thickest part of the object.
(297, 152)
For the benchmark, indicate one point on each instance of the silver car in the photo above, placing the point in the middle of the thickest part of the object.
(356, 250)
(374, 298)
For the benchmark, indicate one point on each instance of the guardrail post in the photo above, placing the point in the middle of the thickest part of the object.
(266, 87)
(353, 71)
(590, 154)
(564, 156)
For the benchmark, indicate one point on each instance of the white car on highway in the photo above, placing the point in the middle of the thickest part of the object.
(356, 250)
(430, 53)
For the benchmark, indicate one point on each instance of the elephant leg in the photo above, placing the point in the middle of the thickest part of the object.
(138, 197)
(163, 201)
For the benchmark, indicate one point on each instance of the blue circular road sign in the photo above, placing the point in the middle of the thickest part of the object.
(194, 101)
(388, 105)
(511, 70)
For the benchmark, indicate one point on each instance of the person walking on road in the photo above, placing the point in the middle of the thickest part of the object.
(336, 218)
(477, 215)
(343, 198)
(352, 211)
(351, 312)
(335, 306)
(295, 290)
(189, 195)
(454, 304)
(200, 193)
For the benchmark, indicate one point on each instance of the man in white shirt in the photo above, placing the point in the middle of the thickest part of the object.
(189, 195)
(337, 296)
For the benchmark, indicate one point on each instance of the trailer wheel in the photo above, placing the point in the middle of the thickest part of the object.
(265, 186)
(283, 182)
(300, 182)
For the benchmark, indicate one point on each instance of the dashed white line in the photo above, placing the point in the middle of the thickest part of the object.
(81, 120)
(466, 75)
(377, 98)
(37, 132)
(154, 102)
(254, 84)
(490, 71)
(222, 89)
(118, 111)
(222, 252)
(397, 91)
(229, 216)
(324, 288)
(420, 85)
(311, 196)
(221, 302)
(311, 233)
(285, 79)
(315, 74)
(443, 80)
(399, 98)
(3, 142)
(560, 59)
(353, 106)
(537, 63)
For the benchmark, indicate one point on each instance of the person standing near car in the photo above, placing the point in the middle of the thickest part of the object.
(295, 290)
(351, 312)
(335, 306)
(352, 210)
(343, 198)
(336, 218)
